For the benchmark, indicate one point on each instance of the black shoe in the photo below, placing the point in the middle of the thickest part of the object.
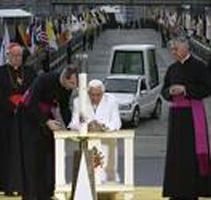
(29, 198)
(9, 194)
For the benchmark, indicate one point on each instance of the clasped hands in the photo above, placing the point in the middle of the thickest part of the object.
(177, 89)
(95, 126)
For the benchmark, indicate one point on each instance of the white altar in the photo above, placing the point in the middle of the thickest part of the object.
(63, 190)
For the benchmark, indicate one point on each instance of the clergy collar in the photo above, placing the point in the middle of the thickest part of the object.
(96, 105)
(15, 69)
(185, 59)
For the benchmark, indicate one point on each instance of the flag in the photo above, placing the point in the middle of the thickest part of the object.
(5, 42)
(69, 30)
(41, 35)
(29, 31)
(21, 36)
(32, 45)
(51, 35)
(30, 37)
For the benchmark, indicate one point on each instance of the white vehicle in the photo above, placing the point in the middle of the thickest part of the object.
(138, 59)
(135, 80)
(135, 97)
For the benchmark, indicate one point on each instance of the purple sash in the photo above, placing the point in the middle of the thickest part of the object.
(45, 108)
(201, 131)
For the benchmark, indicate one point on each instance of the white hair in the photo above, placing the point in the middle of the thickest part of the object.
(95, 83)
(181, 40)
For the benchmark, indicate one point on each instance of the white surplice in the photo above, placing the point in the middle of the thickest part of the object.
(107, 113)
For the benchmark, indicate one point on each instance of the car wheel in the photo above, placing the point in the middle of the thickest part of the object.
(157, 110)
(136, 117)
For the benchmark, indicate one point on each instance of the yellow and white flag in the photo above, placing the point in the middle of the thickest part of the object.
(51, 35)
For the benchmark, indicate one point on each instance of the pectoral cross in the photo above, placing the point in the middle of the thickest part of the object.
(19, 81)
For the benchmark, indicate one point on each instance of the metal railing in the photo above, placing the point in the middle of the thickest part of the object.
(50, 60)
(132, 2)
(57, 59)
(202, 51)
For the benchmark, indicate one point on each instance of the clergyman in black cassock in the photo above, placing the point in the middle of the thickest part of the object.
(186, 83)
(15, 78)
(48, 91)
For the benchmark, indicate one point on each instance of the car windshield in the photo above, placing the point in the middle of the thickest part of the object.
(121, 85)
(130, 62)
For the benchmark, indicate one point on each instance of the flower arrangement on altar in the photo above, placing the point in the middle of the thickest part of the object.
(97, 158)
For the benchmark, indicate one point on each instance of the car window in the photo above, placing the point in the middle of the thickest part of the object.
(143, 85)
(130, 62)
(121, 85)
(153, 69)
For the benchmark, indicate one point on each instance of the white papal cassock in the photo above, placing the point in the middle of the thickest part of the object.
(107, 113)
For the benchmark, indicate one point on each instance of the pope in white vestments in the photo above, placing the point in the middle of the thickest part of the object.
(102, 109)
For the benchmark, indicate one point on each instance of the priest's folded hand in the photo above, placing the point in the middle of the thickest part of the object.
(54, 125)
(177, 89)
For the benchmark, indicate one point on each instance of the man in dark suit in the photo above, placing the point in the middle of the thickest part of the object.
(50, 90)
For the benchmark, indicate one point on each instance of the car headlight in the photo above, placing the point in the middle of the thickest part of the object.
(125, 106)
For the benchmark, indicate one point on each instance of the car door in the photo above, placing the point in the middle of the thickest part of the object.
(143, 97)
(153, 79)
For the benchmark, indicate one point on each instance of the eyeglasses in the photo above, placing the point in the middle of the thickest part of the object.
(16, 55)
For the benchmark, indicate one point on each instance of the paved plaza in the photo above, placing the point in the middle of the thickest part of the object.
(150, 140)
